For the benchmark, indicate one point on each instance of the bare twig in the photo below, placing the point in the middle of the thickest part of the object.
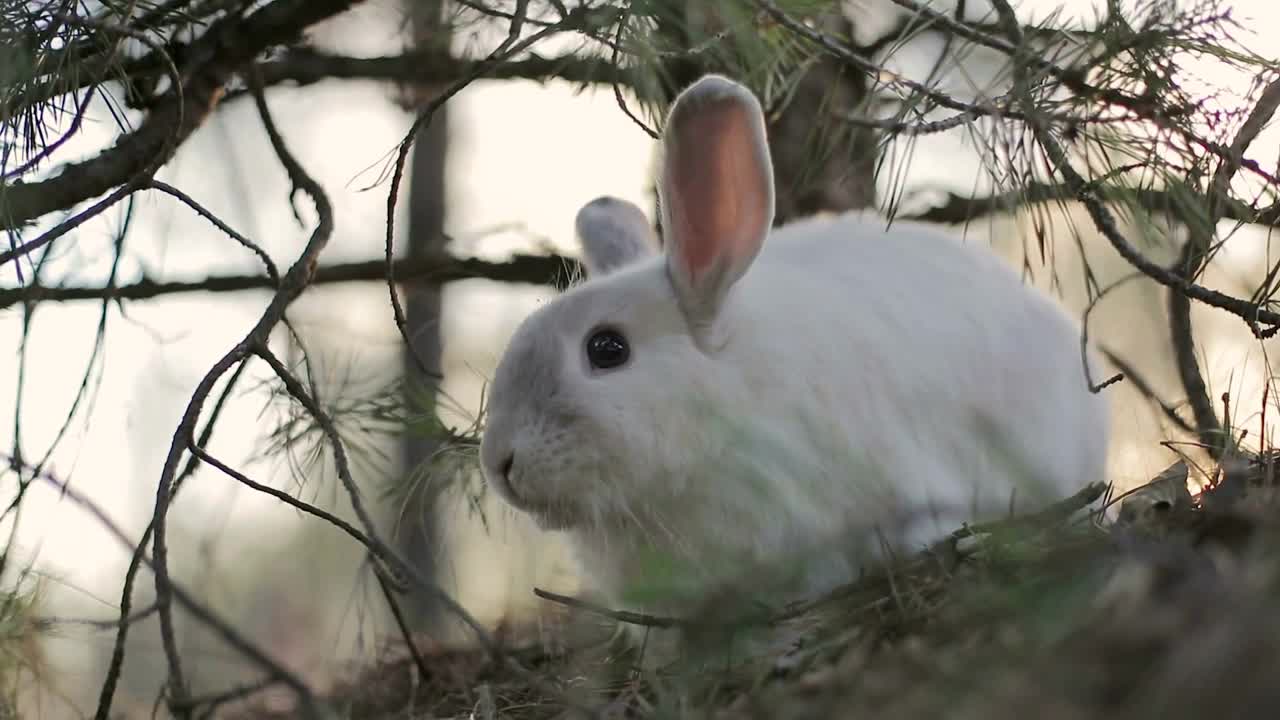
(291, 286)
(203, 212)
(397, 615)
(1144, 388)
(99, 344)
(617, 86)
(625, 616)
(116, 663)
(1084, 335)
(283, 497)
(66, 226)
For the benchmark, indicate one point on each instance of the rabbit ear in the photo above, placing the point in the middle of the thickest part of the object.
(717, 192)
(613, 233)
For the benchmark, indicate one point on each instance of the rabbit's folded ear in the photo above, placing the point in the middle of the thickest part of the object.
(613, 233)
(717, 193)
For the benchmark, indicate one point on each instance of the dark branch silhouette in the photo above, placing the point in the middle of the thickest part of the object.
(211, 61)
(304, 66)
(553, 270)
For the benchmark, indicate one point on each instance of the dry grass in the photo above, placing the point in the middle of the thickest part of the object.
(1168, 612)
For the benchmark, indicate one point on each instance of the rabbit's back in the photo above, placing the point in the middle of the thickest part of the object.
(928, 358)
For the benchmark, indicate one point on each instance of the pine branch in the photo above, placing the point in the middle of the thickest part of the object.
(304, 66)
(959, 209)
(210, 62)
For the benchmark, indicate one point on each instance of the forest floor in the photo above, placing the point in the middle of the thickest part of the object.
(1166, 607)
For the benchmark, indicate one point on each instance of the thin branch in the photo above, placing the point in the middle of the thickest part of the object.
(1139, 383)
(66, 226)
(116, 664)
(625, 616)
(202, 211)
(397, 614)
(99, 343)
(283, 497)
(617, 86)
(291, 286)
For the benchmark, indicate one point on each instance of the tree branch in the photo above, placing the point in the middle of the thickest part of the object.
(211, 60)
(304, 66)
(960, 209)
(554, 270)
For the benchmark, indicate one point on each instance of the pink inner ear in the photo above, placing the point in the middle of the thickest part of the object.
(718, 198)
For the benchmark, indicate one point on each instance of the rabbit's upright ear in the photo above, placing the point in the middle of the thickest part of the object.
(613, 233)
(717, 193)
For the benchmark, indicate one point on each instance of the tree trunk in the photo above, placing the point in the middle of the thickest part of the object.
(417, 533)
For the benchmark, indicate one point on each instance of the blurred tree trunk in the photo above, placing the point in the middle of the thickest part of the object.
(818, 166)
(417, 533)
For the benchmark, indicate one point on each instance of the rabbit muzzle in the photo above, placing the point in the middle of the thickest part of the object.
(502, 471)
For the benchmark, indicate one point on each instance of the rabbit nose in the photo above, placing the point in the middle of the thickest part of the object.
(504, 468)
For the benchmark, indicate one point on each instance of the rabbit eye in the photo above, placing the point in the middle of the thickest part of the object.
(607, 349)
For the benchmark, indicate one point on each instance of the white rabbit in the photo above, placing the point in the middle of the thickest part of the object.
(733, 406)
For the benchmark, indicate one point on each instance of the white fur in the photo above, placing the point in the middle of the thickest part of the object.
(852, 378)
(612, 233)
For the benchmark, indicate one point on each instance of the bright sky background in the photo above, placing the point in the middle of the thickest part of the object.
(521, 153)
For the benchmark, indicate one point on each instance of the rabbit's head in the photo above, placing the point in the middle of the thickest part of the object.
(596, 410)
